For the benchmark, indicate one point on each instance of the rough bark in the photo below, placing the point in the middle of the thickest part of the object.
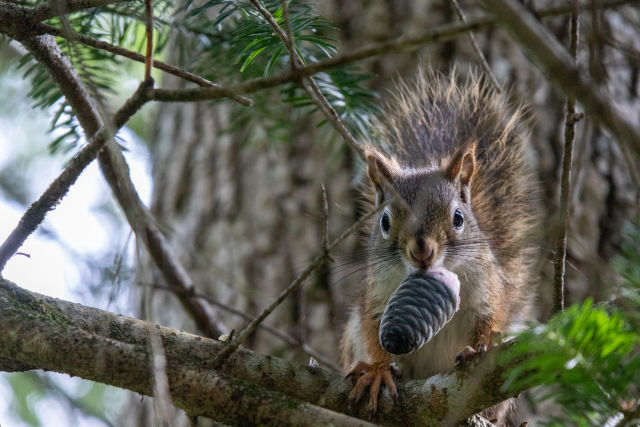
(251, 388)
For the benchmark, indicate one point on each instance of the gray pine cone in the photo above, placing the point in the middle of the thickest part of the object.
(416, 311)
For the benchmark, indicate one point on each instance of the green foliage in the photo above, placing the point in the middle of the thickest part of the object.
(99, 70)
(249, 33)
(628, 265)
(588, 357)
(355, 104)
(218, 38)
(240, 43)
(26, 392)
(31, 389)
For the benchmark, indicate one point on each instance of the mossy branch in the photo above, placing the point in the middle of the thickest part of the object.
(41, 332)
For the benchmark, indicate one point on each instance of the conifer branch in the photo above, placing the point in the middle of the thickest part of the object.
(116, 171)
(52, 196)
(65, 7)
(436, 35)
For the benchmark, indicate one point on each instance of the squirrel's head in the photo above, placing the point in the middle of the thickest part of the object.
(429, 221)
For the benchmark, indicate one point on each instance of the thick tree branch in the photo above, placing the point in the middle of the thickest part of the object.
(116, 171)
(548, 54)
(118, 352)
(46, 333)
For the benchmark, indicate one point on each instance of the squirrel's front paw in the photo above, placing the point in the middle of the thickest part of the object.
(484, 342)
(372, 375)
(469, 353)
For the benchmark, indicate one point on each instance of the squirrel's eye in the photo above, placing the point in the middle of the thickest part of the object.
(385, 224)
(458, 219)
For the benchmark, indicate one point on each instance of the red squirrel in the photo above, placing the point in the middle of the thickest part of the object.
(456, 156)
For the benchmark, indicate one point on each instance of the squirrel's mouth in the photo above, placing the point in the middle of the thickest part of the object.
(421, 252)
(422, 265)
(414, 263)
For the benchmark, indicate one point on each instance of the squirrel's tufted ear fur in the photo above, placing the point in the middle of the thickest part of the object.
(462, 165)
(380, 169)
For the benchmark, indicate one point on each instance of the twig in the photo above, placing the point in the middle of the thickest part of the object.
(34, 216)
(268, 328)
(117, 50)
(116, 171)
(325, 220)
(438, 34)
(570, 119)
(549, 54)
(476, 47)
(64, 7)
(315, 263)
(308, 83)
(148, 15)
(287, 26)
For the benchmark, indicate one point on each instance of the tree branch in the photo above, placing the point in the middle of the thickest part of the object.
(135, 56)
(41, 332)
(548, 54)
(36, 213)
(570, 119)
(116, 171)
(19, 22)
(435, 35)
(301, 279)
(64, 7)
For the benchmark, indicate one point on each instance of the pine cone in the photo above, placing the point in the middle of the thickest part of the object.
(417, 310)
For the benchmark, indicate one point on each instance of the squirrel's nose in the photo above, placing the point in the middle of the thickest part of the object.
(422, 250)
(422, 254)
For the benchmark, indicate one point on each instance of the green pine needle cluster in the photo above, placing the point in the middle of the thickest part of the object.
(588, 357)
(99, 71)
(222, 40)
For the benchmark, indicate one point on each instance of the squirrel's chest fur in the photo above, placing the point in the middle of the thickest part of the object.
(440, 352)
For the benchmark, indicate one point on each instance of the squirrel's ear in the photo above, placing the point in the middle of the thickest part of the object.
(462, 165)
(380, 169)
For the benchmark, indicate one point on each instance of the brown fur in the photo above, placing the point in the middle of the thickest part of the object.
(448, 147)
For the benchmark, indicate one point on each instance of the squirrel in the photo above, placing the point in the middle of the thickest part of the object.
(456, 156)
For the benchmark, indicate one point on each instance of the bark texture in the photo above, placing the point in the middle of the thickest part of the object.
(254, 389)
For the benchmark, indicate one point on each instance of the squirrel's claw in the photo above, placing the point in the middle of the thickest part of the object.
(469, 353)
(372, 375)
(466, 355)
